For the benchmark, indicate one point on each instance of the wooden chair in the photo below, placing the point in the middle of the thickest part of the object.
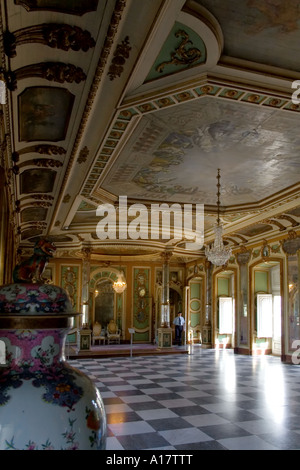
(97, 333)
(113, 333)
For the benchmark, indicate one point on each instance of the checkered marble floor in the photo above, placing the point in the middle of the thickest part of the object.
(208, 399)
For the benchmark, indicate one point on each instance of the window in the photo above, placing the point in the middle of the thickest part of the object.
(225, 315)
(264, 316)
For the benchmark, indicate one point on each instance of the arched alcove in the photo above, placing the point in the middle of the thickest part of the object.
(225, 307)
(105, 303)
(267, 292)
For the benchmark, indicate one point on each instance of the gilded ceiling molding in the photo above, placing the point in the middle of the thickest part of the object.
(291, 245)
(57, 36)
(3, 149)
(32, 204)
(43, 149)
(86, 253)
(276, 249)
(35, 224)
(289, 219)
(42, 197)
(110, 35)
(41, 204)
(182, 55)
(51, 71)
(105, 197)
(274, 222)
(83, 155)
(231, 240)
(39, 162)
(244, 240)
(30, 233)
(243, 256)
(6, 150)
(120, 55)
(192, 91)
(66, 199)
(166, 256)
(47, 163)
(72, 8)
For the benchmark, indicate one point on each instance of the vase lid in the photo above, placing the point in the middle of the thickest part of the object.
(34, 299)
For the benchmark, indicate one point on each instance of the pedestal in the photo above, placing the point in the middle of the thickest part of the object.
(85, 339)
(206, 337)
(164, 337)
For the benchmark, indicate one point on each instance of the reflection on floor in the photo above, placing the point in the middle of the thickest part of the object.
(124, 350)
(207, 399)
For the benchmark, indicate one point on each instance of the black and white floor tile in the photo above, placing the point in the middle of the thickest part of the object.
(207, 399)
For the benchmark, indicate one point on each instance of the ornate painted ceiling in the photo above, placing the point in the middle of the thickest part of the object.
(147, 100)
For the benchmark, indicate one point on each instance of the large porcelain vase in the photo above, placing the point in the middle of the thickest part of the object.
(45, 404)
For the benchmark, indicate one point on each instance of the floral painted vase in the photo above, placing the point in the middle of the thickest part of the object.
(33, 299)
(45, 404)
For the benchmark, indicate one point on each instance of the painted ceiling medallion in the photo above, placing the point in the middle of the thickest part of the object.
(182, 55)
(37, 181)
(44, 113)
(183, 49)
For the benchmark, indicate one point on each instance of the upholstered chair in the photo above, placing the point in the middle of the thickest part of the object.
(113, 333)
(97, 333)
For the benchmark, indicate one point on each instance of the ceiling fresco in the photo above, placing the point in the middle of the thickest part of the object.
(37, 181)
(44, 113)
(186, 146)
(267, 31)
(147, 100)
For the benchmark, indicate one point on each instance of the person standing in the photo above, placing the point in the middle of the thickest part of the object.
(179, 324)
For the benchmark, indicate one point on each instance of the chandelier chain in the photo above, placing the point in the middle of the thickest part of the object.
(218, 254)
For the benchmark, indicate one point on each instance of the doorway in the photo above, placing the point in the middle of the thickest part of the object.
(268, 308)
(104, 303)
(175, 300)
(225, 308)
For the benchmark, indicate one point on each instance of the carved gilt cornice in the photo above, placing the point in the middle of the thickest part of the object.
(111, 33)
(57, 36)
(51, 71)
(121, 54)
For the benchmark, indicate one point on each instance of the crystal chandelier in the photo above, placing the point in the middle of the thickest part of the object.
(218, 254)
(120, 284)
